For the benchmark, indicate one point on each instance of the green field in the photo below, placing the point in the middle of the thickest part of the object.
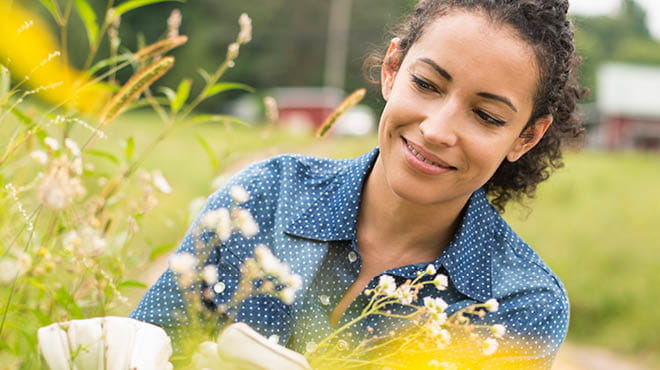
(596, 222)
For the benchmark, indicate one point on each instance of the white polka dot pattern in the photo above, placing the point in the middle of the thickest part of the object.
(306, 209)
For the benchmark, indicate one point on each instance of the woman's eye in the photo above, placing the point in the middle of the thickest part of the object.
(423, 85)
(488, 118)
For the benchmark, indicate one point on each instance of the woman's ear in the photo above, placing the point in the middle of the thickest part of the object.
(529, 138)
(391, 65)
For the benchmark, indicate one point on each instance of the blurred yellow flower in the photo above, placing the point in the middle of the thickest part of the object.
(29, 50)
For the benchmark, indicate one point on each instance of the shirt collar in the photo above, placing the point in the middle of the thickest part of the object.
(333, 215)
(467, 259)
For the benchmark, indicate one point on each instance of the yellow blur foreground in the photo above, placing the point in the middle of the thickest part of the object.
(31, 53)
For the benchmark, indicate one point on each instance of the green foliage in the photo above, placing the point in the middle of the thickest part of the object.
(89, 19)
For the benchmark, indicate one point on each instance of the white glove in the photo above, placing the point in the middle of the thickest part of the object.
(112, 343)
(240, 347)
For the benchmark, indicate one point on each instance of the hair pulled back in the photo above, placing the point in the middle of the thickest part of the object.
(545, 26)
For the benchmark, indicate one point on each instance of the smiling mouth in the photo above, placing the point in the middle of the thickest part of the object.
(422, 158)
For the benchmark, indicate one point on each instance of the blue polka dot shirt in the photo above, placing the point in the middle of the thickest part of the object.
(307, 209)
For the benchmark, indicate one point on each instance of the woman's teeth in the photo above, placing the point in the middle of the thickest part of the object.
(421, 157)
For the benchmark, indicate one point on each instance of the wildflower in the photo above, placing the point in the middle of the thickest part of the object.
(405, 294)
(498, 330)
(232, 51)
(435, 305)
(294, 281)
(182, 262)
(58, 188)
(287, 295)
(245, 34)
(443, 338)
(492, 305)
(196, 206)
(210, 274)
(430, 270)
(219, 221)
(161, 183)
(77, 166)
(239, 194)
(386, 284)
(269, 263)
(441, 282)
(93, 242)
(52, 143)
(173, 23)
(246, 224)
(72, 146)
(490, 346)
(40, 156)
(71, 240)
(219, 181)
(9, 270)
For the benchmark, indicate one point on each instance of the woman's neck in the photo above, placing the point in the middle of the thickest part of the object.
(395, 225)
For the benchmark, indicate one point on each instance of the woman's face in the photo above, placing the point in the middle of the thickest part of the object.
(456, 107)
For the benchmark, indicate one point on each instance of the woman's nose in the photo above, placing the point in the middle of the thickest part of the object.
(441, 124)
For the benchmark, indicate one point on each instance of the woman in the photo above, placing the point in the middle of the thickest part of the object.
(479, 94)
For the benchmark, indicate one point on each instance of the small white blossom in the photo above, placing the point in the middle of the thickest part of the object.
(232, 51)
(183, 263)
(405, 294)
(246, 223)
(294, 281)
(239, 194)
(288, 295)
(210, 274)
(498, 330)
(386, 284)
(77, 166)
(72, 146)
(52, 143)
(430, 270)
(245, 35)
(71, 240)
(441, 282)
(269, 263)
(173, 23)
(490, 346)
(492, 305)
(8, 270)
(218, 221)
(93, 242)
(161, 183)
(40, 156)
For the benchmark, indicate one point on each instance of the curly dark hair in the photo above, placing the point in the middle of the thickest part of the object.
(545, 26)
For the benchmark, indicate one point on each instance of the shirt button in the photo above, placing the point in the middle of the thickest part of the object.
(352, 256)
(219, 287)
(325, 300)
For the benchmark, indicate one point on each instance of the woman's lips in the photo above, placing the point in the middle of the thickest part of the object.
(423, 161)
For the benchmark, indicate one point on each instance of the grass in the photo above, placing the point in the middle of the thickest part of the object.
(594, 222)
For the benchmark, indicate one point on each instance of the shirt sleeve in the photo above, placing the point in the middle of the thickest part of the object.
(534, 335)
(164, 304)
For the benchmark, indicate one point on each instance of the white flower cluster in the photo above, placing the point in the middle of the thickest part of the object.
(61, 184)
(85, 241)
(272, 266)
(223, 222)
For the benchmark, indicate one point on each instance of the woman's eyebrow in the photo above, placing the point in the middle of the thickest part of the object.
(443, 72)
(498, 98)
(437, 68)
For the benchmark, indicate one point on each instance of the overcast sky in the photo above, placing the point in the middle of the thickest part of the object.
(592, 7)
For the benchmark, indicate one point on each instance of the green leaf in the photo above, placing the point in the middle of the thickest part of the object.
(171, 95)
(42, 317)
(217, 118)
(182, 93)
(51, 8)
(89, 20)
(160, 250)
(134, 4)
(64, 299)
(108, 62)
(103, 154)
(131, 284)
(130, 148)
(22, 116)
(226, 86)
(209, 152)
